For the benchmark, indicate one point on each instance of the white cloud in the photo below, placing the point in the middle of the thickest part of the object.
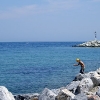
(17, 11)
(50, 6)
(61, 4)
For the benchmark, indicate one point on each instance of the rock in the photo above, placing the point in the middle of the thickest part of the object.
(94, 43)
(68, 93)
(73, 86)
(35, 98)
(85, 85)
(91, 74)
(19, 97)
(27, 96)
(98, 92)
(5, 94)
(81, 96)
(94, 90)
(96, 79)
(93, 97)
(47, 95)
(98, 71)
(65, 95)
(57, 91)
(80, 76)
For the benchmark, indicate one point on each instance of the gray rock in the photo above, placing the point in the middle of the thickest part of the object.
(57, 91)
(47, 95)
(80, 76)
(93, 97)
(98, 71)
(93, 91)
(27, 96)
(81, 96)
(85, 85)
(98, 92)
(5, 94)
(94, 43)
(73, 86)
(65, 95)
(96, 79)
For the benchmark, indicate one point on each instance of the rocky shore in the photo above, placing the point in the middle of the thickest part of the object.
(94, 43)
(83, 87)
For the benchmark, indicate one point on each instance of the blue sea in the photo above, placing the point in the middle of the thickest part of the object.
(29, 67)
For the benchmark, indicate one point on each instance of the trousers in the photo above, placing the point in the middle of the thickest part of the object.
(82, 70)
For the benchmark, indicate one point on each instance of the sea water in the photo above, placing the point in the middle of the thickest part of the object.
(29, 67)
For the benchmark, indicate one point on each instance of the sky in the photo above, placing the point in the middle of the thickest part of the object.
(49, 20)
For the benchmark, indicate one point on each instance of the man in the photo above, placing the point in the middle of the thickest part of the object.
(81, 64)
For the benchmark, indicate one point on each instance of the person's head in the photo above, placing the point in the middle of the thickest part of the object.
(77, 59)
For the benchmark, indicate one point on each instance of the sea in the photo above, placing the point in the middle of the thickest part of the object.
(29, 67)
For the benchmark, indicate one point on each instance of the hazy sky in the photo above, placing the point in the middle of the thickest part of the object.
(49, 20)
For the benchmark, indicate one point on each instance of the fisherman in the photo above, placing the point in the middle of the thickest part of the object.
(81, 64)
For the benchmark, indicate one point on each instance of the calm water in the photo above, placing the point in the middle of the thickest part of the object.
(29, 67)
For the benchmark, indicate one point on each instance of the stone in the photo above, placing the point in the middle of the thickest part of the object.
(56, 91)
(5, 94)
(73, 86)
(65, 95)
(93, 97)
(79, 77)
(94, 90)
(94, 43)
(35, 98)
(67, 92)
(19, 97)
(98, 92)
(85, 85)
(30, 96)
(47, 95)
(81, 96)
(96, 79)
(98, 71)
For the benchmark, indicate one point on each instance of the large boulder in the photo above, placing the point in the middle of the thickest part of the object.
(80, 76)
(65, 95)
(94, 90)
(96, 79)
(98, 92)
(30, 96)
(93, 97)
(98, 71)
(57, 91)
(73, 86)
(94, 43)
(80, 96)
(47, 95)
(5, 94)
(85, 85)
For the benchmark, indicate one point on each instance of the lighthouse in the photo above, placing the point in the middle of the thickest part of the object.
(95, 36)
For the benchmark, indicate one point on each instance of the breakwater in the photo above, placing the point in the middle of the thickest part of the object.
(94, 43)
(83, 87)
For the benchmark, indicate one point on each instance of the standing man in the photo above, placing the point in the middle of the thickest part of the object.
(81, 64)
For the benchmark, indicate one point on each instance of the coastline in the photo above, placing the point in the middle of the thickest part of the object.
(84, 86)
